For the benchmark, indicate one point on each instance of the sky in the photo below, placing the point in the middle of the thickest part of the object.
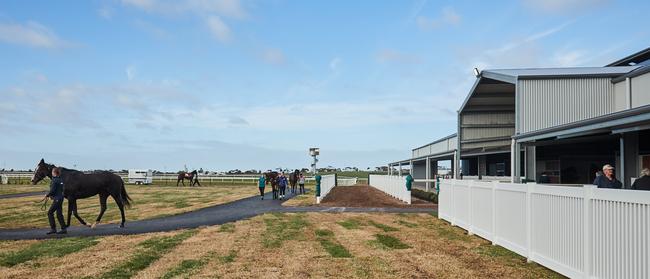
(228, 84)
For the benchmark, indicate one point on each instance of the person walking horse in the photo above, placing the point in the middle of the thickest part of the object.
(283, 185)
(261, 186)
(56, 194)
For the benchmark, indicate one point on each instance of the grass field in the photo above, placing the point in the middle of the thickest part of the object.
(22, 188)
(321, 245)
(148, 202)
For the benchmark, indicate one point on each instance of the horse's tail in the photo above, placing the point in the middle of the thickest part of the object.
(125, 197)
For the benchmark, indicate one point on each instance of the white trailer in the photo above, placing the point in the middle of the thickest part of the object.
(140, 176)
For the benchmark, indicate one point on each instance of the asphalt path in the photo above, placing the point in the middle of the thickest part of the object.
(215, 215)
(20, 195)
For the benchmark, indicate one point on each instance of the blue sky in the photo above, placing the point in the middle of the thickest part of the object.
(224, 84)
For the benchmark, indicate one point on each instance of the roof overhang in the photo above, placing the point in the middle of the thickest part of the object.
(436, 141)
(619, 122)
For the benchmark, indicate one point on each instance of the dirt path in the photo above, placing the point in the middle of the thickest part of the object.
(215, 215)
(366, 196)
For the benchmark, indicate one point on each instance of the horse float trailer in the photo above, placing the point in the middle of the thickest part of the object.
(140, 177)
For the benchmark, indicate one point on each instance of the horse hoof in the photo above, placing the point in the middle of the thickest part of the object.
(93, 225)
(121, 226)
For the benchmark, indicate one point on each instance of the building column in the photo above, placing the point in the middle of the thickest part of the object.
(390, 169)
(515, 162)
(456, 164)
(399, 171)
(482, 166)
(531, 163)
(411, 171)
(620, 172)
(427, 174)
(631, 157)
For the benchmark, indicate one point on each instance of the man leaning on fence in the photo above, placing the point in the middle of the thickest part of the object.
(608, 180)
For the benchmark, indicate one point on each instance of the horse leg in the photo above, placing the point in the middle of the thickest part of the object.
(120, 204)
(67, 224)
(102, 204)
(73, 204)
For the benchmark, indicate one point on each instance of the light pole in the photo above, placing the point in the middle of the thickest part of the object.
(314, 151)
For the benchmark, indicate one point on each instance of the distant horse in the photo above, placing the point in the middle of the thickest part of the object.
(272, 177)
(293, 180)
(193, 177)
(79, 185)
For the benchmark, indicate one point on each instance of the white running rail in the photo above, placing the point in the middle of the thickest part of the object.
(392, 185)
(346, 181)
(580, 232)
(327, 182)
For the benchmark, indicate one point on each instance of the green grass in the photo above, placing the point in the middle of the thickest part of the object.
(513, 259)
(388, 242)
(281, 227)
(407, 224)
(335, 249)
(350, 224)
(47, 249)
(181, 204)
(229, 227)
(188, 267)
(385, 228)
(151, 250)
(229, 258)
(451, 233)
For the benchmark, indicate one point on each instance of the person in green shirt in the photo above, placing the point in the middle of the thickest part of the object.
(409, 182)
(262, 184)
(317, 177)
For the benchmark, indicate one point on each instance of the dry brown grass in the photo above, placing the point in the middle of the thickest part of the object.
(21, 188)
(148, 202)
(437, 250)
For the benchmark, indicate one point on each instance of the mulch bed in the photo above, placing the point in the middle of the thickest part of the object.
(366, 196)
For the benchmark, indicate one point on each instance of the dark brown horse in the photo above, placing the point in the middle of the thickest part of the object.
(193, 177)
(272, 177)
(293, 180)
(79, 185)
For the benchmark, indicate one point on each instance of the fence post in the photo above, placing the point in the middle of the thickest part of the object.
(494, 212)
(452, 207)
(470, 228)
(529, 222)
(588, 191)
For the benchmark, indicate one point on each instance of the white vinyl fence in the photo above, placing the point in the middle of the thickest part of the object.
(327, 182)
(392, 185)
(346, 181)
(580, 232)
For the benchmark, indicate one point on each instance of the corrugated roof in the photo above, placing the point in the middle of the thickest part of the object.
(513, 74)
(636, 58)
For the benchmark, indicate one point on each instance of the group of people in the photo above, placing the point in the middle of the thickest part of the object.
(607, 179)
(282, 183)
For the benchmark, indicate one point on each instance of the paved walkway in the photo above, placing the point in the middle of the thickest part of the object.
(20, 195)
(215, 215)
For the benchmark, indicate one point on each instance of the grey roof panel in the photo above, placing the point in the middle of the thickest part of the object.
(559, 72)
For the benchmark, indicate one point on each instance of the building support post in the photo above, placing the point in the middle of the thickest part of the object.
(399, 171)
(427, 174)
(620, 172)
(515, 163)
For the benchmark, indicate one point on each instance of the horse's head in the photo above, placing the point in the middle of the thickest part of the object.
(41, 171)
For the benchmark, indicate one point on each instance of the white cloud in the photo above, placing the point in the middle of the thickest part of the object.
(563, 6)
(273, 56)
(31, 34)
(218, 28)
(131, 72)
(448, 17)
(570, 58)
(105, 12)
(334, 63)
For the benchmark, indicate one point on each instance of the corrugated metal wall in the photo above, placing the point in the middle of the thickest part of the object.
(486, 125)
(444, 146)
(551, 102)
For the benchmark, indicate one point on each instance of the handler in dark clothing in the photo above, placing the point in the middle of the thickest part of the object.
(643, 182)
(607, 180)
(56, 194)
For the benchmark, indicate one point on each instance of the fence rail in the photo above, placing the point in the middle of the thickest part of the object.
(580, 232)
(392, 185)
(327, 183)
